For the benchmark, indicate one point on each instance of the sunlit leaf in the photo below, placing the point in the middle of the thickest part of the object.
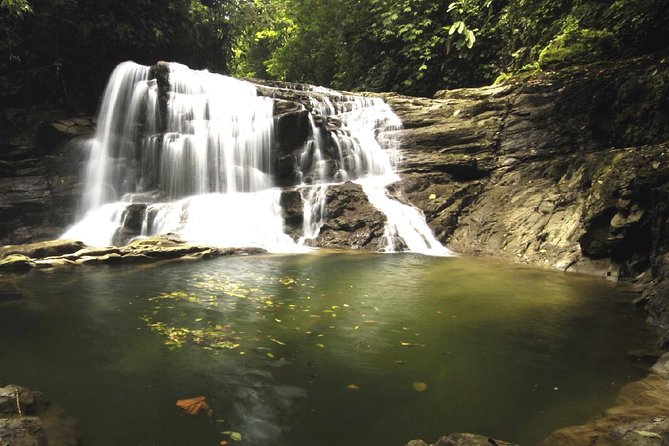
(319, 345)
(352, 387)
(276, 341)
(419, 386)
(648, 434)
(234, 436)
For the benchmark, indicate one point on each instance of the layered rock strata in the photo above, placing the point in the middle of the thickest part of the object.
(61, 253)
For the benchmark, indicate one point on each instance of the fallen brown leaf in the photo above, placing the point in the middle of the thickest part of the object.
(193, 406)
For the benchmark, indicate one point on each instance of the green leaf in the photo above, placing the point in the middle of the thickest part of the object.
(461, 27)
(471, 38)
(453, 28)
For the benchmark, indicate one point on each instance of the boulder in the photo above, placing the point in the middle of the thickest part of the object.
(28, 418)
(351, 221)
(16, 262)
(47, 248)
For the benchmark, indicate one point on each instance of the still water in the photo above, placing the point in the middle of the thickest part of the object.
(328, 349)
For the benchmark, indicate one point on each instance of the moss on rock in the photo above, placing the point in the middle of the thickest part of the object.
(575, 46)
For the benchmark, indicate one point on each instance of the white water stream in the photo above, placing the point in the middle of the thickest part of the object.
(207, 177)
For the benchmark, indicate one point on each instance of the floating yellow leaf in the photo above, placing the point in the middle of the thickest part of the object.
(234, 436)
(352, 387)
(276, 341)
(419, 386)
(319, 345)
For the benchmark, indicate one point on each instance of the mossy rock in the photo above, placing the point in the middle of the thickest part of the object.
(16, 262)
(577, 46)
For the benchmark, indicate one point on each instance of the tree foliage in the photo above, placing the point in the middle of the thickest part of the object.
(63, 50)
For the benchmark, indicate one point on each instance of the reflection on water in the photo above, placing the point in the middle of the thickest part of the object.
(325, 349)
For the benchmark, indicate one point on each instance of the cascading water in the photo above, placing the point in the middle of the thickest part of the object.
(366, 151)
(190, 152)
(206, 175)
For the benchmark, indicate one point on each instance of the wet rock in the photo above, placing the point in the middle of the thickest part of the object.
(148, 250)
(28, 418)
(48, 248)
(351, 221)
(132, 221)
(25, 431)
(16, 262)
(530, 172)
(463, 439)
(293, 212)
(60, 131)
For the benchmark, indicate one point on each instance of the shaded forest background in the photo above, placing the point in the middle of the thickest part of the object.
(61, 52)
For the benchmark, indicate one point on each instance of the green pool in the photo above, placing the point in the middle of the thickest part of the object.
(328, 349)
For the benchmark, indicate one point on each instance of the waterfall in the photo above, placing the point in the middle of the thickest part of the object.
(205, 174)
(190, 152)
(367, 152)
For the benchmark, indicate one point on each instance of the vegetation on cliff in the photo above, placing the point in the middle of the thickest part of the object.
(61, 51)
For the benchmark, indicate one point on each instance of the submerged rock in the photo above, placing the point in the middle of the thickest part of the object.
(8, 290)
(28, 418)
(463, 439)
(639, 416)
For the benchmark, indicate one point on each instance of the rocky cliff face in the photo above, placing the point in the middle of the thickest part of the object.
(567, 170)
(41, 156)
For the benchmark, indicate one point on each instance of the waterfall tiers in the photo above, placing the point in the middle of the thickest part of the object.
(211, 159)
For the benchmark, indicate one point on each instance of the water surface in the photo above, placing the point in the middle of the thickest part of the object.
(328, 349)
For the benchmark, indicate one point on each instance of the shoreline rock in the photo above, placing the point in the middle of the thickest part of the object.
(28, 418)
(62, 253)
(639, 416)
